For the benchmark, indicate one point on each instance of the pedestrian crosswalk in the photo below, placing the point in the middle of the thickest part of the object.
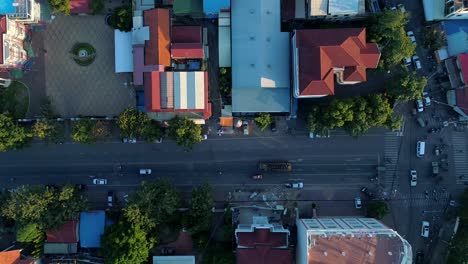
(433, 201)
(391, 151)
(460, 157)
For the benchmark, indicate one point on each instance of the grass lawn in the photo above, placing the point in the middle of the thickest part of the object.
(14, 99)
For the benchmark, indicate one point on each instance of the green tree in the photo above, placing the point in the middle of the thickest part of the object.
(151, 131)
(83, 131)
(338, 113)
(33, 235)
(97, 6)
(67, 205)
(219, 254)
(130, 122)
(12, 136)
(394, 122)
(185, 132)
(156, 201)
(407, 86)
(125, 243)
(122, 18)
(43, 128)
(60, 6)
(263, 120)
(201, 205)
(377, 210)
(100, 130)
(388, 29)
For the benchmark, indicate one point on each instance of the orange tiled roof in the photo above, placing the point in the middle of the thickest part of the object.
(321, 50)
(157, 47)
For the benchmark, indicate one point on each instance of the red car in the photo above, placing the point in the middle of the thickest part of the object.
(257, 177)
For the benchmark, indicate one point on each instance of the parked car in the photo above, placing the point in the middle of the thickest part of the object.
(110, 198)
(399, 7)
(245, 127)
(407, 61)
(80, 187)
(413, 178)
(99, 181)
(425, 229)
(417, 62)
(295, 185)
(367, 192)
(419, 105)
(273, 126)
(427, 99)
(358, 203)
(410, 34)
(145, 171)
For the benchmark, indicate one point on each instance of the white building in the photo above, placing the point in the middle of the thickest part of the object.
(12, 36)
(445, 9)
(349, 240)
(24, 11)
(335, 9)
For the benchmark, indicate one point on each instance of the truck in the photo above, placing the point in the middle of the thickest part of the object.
(435, 168)
(275, 166)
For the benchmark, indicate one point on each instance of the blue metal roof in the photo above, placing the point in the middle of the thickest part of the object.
(91, 228)
(6, 7)
(457, 34)
(213, 6)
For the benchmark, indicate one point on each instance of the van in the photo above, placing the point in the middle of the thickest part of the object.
(420, 149)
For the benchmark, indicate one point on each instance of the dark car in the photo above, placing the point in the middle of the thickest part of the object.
(367, 192)
(273, 126)
(419, 258)
(80, 187)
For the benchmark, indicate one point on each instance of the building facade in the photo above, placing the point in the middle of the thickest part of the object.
(12, 38)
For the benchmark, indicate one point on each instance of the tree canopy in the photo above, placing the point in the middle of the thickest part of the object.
(136, 124)
(82, 131)
(377, 210)
(200, 212)
(153, 204)
(263, 120)
(125, 242)
(406, 86)
(12, 135)
(185, 132)
(60, 6)
(121, 19)
(356, 115)
(388, 29)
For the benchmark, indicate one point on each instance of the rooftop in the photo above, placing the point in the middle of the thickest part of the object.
(92, 225)
(457, 34)
(80, 7)
(3, 29)
(157, 47)
(13, 257)
(319, 53)
(68, 233)
(260, 57)
(187, 42)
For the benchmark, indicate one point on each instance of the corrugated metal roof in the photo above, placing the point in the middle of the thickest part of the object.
(60, 248)
(123, 51)
(187, 51)
(68, 233)
(224, 43)
(91, 228)
(186, 34)
(193, 8)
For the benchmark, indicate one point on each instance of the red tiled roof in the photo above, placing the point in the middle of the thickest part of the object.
(463, 58)
(186, 34)
(10, 257)
(320, 50)
(264, 255)
(80, 7)
(157, 47)
(152, 91)
(3, 29)
(462, 99)
(66, 234)
(187, 50)
(263, 247)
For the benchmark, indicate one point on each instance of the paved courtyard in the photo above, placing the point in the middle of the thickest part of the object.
(95, 90)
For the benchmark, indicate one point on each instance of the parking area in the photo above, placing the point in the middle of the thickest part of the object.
(94, 90)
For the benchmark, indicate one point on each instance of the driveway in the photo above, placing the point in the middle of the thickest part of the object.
(95, 90)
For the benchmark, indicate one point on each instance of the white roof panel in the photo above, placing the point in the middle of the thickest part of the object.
(340, 7)
(123, 51)
(224, 46)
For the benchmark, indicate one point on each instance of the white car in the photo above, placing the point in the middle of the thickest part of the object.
(358, 203)
(410, 34)
(110, 198)
(417, 63)
(425, 229)
(145, 171)
(407, 61)
(427, 99)
(100, 181)
(413, 178)
(295, 185)
(419, 105)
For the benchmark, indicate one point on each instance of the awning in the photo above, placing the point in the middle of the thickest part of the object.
(123, 51)
(226, 121)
